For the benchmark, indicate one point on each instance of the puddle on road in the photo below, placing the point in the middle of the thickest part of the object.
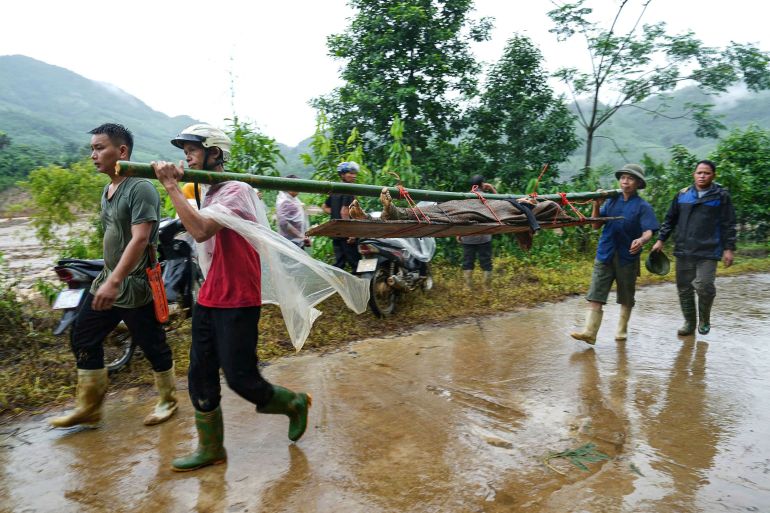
(457, 419)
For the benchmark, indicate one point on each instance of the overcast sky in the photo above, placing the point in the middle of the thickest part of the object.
(182, 57)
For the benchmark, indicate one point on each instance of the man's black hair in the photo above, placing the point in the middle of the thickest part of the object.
(477, 180)
(709, 163)
(118, 135)
(291, 176)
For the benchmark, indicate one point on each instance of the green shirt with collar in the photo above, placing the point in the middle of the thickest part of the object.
(135, 201)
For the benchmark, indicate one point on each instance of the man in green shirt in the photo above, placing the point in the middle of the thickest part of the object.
(130, 211)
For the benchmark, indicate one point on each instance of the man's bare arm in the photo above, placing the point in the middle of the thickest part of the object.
(201, 228)
(108, 292)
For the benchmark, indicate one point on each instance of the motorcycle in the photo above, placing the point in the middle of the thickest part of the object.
(394, 267)
(181, 276)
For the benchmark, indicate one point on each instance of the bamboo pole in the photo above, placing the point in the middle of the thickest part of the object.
(127, 168)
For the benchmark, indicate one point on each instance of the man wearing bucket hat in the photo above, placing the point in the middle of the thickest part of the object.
(703, 217)
(617, 256)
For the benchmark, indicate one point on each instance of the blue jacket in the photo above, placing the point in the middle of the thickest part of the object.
(704, 227)
(617, 235)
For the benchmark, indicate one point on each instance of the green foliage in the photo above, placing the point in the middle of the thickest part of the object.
(252, 152)
(327, 152)
(743, 167)
(520, 124)
(411, 58)
(579, 456)
(12, 319)
(633, 64)
(47, 290)
(60, 197)
(17, 160)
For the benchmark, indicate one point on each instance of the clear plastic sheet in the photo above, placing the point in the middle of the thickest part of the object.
(290, 277)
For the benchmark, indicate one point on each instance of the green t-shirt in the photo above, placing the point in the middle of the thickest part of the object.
(135, 201)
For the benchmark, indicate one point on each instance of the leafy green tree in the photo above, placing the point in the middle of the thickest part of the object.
(743, 166)
(252, 152)
(62, 196)
(629, 66)
(327, 151)
(4, 140)
(17, 160)
(411, 58)
(520, 124)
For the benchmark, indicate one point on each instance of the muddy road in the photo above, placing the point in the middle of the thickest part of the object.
(457, 419)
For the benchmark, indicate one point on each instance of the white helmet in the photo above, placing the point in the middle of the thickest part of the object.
(207, 135)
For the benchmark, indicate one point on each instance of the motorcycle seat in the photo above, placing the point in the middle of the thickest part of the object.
(92, 264)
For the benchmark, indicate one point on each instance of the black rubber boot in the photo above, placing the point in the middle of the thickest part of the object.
(687, 304)
(704, 314)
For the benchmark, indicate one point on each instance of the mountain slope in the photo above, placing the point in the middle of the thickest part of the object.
(48, 106)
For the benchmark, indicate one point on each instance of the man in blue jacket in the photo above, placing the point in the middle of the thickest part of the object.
(617, 256)
(704, 220)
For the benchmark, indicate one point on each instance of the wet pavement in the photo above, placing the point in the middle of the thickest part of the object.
(455, 419)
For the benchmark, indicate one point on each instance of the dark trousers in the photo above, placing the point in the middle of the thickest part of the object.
(345, 253)
(484, 253)
(696, 275)
(91, 327)
(225, 338)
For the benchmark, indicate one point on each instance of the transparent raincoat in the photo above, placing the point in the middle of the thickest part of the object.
(290, 277)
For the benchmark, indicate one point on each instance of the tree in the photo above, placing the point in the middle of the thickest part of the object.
(409, 58)
(520, 125)
(252, 152)
(743, 166)
(628, 66)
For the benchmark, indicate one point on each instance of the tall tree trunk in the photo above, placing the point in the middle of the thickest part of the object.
(589, 147)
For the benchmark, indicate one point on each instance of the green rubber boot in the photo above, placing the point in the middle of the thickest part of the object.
(704, 314)
(292, 404)
(687, 303)
(211, 437)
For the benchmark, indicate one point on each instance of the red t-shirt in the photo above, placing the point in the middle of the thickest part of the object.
(234, 279)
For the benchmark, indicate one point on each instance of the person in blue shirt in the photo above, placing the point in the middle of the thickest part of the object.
(617, 256)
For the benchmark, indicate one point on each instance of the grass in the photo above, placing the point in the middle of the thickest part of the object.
(37, 369)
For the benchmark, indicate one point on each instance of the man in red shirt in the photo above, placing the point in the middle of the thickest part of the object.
(224, 331)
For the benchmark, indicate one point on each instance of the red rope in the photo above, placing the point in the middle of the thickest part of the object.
(412, 205)
(475, 190)
(533, 194)
(565, 202)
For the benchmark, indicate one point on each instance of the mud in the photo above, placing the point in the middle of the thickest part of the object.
(24, 254)
(457, 419)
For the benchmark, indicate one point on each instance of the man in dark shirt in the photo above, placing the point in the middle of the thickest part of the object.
(702, 219)
(345, 249)
(617, 256)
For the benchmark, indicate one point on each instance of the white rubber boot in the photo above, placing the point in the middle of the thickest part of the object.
(89, 396)
(593, 321)
(625, 314)
(165, 382)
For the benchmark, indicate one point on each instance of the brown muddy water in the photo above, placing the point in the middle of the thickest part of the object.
(455, 419)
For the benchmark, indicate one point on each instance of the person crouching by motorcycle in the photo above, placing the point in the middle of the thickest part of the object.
(225, 319)
(130, 211)
(336, 205)
(477, 245)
